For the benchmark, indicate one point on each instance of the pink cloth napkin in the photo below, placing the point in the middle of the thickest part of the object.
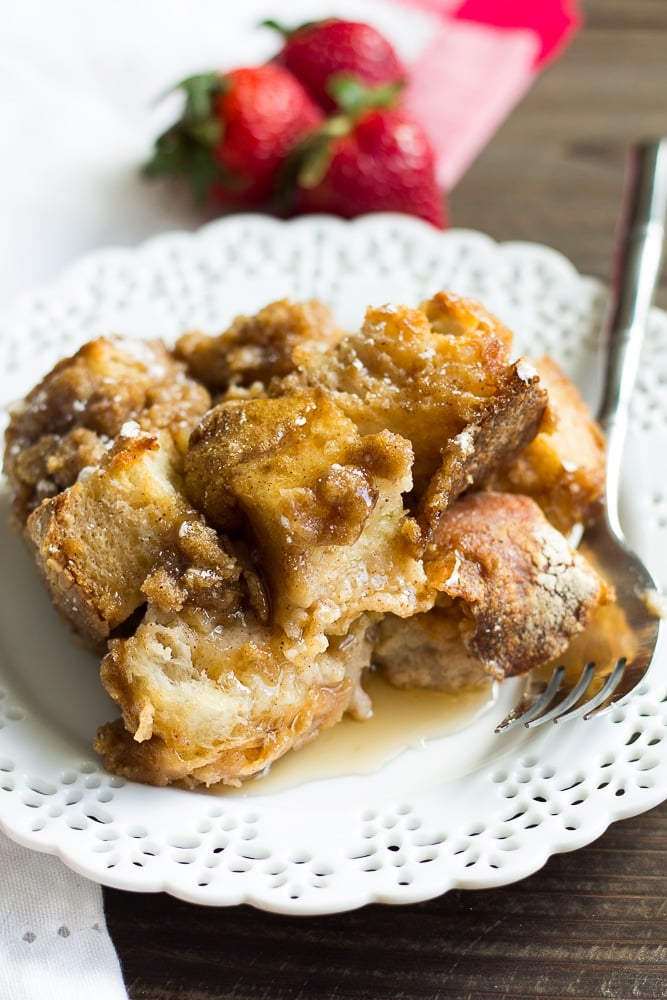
(481, 60)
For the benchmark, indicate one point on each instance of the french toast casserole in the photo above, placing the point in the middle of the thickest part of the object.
(245, 524)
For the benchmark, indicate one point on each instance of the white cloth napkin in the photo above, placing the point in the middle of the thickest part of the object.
(53, 937)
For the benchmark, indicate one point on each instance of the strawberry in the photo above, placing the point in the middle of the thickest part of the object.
(318, 52)
(235, 133)
(372, 157)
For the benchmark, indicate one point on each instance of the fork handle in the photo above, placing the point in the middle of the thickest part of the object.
(637, 264)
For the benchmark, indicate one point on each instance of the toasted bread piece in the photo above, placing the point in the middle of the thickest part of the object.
(261, 347)
(324, 505)
(563, 468)
(70, 419)
(96, 542)
(452, 314)
(521, 590)
(507, 425)
(429, 378)
(221, 704)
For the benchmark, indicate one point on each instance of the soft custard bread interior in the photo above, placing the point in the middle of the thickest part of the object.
(386, 499)
(206, 704)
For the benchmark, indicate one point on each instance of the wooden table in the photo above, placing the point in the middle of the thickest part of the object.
(592, 923)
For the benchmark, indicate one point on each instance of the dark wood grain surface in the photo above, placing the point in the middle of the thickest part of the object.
(592, 923)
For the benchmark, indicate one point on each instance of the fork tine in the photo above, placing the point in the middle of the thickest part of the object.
(521, 712)
(570, 705)
(568, 701)
(619, 690)
(601, 701)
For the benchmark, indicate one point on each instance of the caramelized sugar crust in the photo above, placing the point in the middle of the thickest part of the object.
(520, 589)
(563, 467)
(70, 419)
(257, 349)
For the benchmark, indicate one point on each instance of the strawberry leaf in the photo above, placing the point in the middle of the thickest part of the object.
(315, 162)
(200, 93)
(311, 158)
(207, 133)
(354, 97)
(168, 156)
(202, 173)
(186, 148)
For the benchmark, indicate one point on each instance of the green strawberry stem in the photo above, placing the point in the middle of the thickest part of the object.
(354, 99)
(286, 32)
(200, 93)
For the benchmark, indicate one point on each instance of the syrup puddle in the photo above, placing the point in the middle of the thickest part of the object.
(402, 720)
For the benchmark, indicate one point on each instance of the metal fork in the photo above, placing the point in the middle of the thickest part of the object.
(641, 237)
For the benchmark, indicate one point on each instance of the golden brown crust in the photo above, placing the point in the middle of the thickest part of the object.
(261, 347)
(98, 541)
(428, 374)
(324, 505)
(71, 418)
(449, 313)
(523, 590)
(563, 468)
(508, 424)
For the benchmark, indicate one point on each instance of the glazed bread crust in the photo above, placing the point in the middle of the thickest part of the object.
(70, 419)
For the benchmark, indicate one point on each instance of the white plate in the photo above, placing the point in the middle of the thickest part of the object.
(470, 810)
